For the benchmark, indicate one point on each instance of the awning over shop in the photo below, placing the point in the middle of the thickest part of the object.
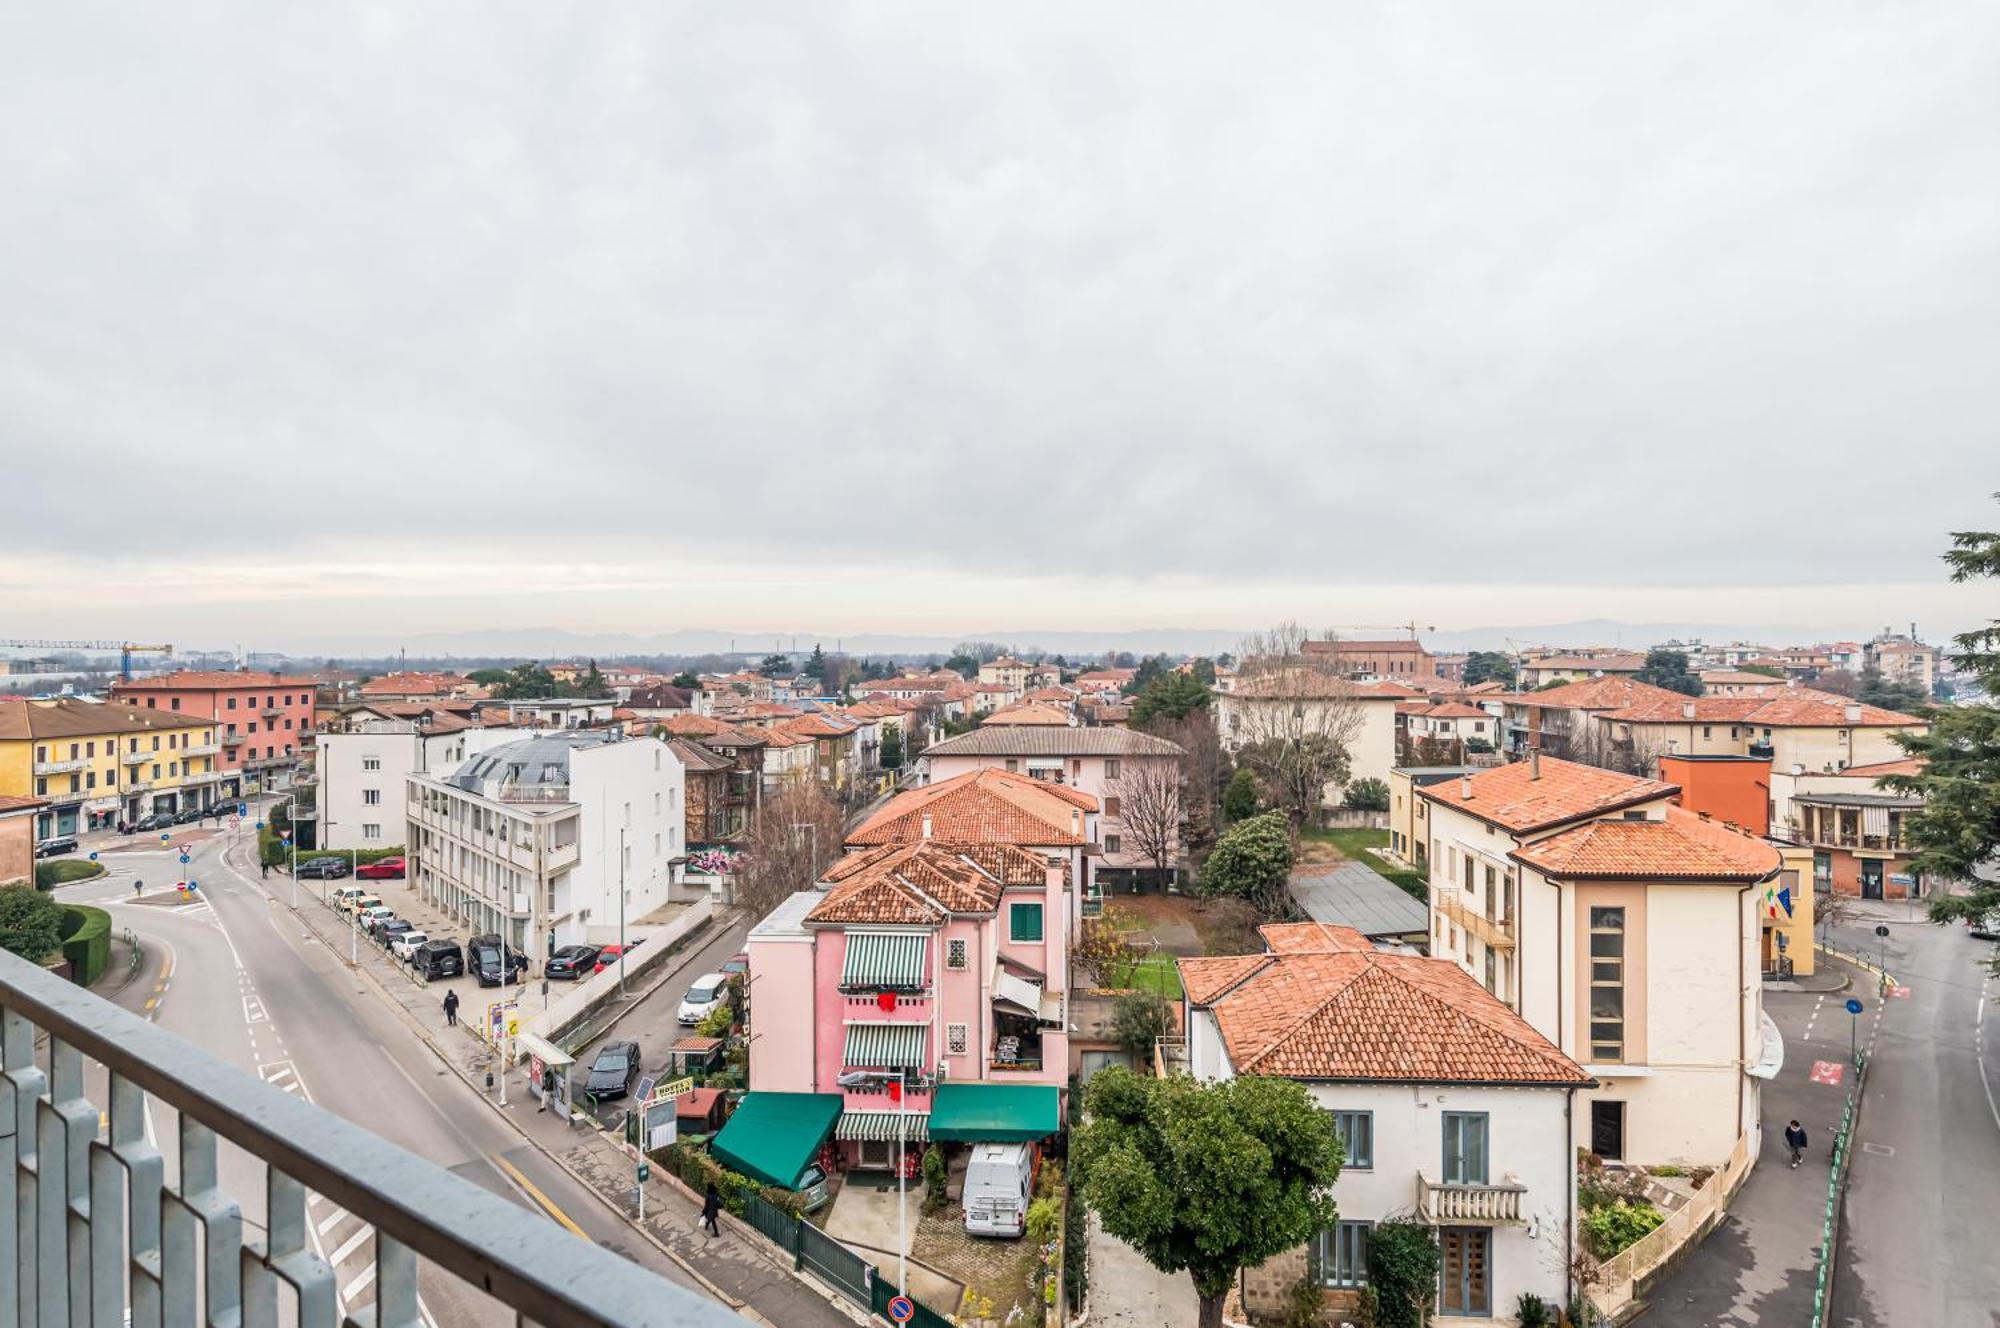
(773, 1136)
(995, 1113)
(880, 1126)
(884, 959)
(889, 1045)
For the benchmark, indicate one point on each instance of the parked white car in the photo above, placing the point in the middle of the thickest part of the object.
(379, 913)
(406, 945)
(709, 991)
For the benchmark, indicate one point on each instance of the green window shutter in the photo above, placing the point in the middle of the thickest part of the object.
(1024, 922)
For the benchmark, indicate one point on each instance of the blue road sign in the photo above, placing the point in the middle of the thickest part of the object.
(243, 809)
(260, 825)
(1853, 1005)
(93, 855)
(184, 859)
(164, 836)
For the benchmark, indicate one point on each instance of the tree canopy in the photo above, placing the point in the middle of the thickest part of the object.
(1876, 689)
(1958, 829)
(1169, 695)
(1151, 667)
(1206, 1178)
(30, 923)
(1239, 796)
(1488, 666)
(1252, 861)
(1669, 669)
(776, 666)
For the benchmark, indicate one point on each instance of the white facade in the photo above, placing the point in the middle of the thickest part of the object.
(1529, 1143)
(363, 776)
(538, 853)
(1371, 749)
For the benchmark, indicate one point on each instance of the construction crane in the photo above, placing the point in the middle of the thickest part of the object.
(125, 650)
(1411, 627)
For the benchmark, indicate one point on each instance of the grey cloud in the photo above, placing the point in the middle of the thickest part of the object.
(1365, 292)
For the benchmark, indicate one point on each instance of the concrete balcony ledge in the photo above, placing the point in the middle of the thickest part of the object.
(115, 1240)
(1477, 1205)
(62, 767)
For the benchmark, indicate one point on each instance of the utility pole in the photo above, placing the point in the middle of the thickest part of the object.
(621, 913)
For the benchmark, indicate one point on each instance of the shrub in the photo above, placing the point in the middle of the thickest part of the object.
(31, 924)
(1251, 861)
(86, 942)
(1367, 794)
(1403, 1263)
(1043, 1221)
(1076, 1252)
(49, 875)
(1239, 796)
(716, 1023)
(935, 1176)
(1614, 1226)
(1303, 1302)
(1669, 1169)
(1534, 1312)
(1138, 1020)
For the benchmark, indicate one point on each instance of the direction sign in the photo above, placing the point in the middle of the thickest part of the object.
(1853, 1005)
(93, 855)
(184, 859)
(901, 1308)
(645, 1172)
(242, 809)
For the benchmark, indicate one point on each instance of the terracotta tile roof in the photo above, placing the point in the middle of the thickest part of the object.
(1399, 646)
(1677, 709)
(1606, 693)
(729, 735)
(10, 804)
(1442, 710)
(696, 757)
(1683, 847)
(1060, 695)
(209, 680)
(1311, 938)
(1583, 663)
(1029, 714)
(691, 726)
(1205, 979)
(1735, 678)
(1513, 798)
(67, 717)
(814, 726)
(1043, 740)
(921, 883)
(1373, 1016)
(1909, 765)
(1796, 707)
(983, 807)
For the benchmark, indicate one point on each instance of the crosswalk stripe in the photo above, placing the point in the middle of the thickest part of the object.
(332, 1221)
(353, 1243)
(360, 1284)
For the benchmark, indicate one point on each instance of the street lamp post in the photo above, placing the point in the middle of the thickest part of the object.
(621, 913)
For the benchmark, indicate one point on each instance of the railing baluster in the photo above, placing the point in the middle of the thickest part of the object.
(290, 1253)
(73, 1117)
(146, 1177)
(395, 1285)
(220, 1283)
(21, 1085)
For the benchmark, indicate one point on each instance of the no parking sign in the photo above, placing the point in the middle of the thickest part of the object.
(901, 1308)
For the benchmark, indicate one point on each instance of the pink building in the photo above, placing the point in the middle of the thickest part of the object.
(1114, 766)
(942, 963)
(264, 720)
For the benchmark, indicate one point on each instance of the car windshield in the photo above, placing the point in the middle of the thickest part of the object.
(701, 994)
(611, 1060)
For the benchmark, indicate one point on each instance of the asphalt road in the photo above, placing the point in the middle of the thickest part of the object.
(238, 976)
(1924, 1199)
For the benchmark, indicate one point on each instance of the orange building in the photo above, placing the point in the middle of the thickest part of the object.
(1734, 789)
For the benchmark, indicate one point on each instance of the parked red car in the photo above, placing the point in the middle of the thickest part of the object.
(387, 869)
(609, 955)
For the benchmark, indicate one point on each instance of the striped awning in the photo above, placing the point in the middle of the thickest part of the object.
(880, 1126)
(884, 959)
(885, 1046)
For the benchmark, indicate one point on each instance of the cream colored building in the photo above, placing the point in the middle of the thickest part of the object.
(1254, 712)
(1624, 929)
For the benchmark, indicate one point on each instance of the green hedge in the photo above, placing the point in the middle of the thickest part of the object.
(86, 942)
(697, 1168)
(61, 871)
(275, 852)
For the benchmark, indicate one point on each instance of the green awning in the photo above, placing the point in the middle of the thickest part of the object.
(872, 1046)
(884, 959)
(881, 1126)
(995, 1113)
(773, 1136)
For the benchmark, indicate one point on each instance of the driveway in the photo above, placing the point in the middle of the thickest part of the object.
(1127, 1291)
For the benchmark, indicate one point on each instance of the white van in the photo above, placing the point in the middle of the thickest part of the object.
(998, 1183)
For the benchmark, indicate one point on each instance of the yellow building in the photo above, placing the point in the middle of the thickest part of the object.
(1409, 815)
(99, 763)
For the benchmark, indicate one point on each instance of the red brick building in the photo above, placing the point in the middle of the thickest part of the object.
(1388, 660)
(263, 720)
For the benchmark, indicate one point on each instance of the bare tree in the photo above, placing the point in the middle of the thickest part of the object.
(796, 833)
(1204, 770)
(1292, 716)
(1149, 810)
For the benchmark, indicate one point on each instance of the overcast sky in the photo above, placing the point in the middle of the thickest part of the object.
(360, 319)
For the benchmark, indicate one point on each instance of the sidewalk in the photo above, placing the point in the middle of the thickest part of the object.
(1758, 1265)
(1128, 1292)
(738, 1267)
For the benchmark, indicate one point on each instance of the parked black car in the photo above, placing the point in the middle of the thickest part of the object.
(324, 869)
(494, 962)
(386, 932)
(614, 1071)
(570, 962)
(50, 848)
(188, 815)
(438, 959)
(153, 821)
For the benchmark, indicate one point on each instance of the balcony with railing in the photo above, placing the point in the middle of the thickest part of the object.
(137, 758)
(62, 767)
(202, 749)
(1499, 934)
(235, 739)
(103, 1228)
(1472, 1205)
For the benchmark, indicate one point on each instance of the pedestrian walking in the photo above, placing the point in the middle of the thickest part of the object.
(451, 1009)
(265, 870)
(1795, 1139)
(711, 1204)
(137, 886)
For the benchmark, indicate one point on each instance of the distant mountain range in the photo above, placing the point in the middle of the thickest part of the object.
(561, 643)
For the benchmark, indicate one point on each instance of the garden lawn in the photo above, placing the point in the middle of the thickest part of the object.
(1355, 844)
(1155, 973)
(61, 871)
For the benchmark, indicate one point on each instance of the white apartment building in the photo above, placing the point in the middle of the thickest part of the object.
(363, 775)
(549, 840)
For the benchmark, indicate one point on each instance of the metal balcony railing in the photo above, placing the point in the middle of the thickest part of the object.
(93, 1231)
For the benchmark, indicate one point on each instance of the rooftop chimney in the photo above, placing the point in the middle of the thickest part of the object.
(927, 825)
(1854, 714)
(1687, 710)
(1534, 763)
(1465, 787)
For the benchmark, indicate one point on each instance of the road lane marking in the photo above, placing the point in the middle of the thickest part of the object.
(339, 1214)
(547, 1204)
(1979, 1036)
(353, 1243)
(363, 1280)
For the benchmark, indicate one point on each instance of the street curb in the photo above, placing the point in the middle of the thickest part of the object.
(430, 1044)
(1846, 1177)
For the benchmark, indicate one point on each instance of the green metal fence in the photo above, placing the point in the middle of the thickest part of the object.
(1843, 1141)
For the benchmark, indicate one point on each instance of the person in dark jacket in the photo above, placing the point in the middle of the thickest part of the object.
(711, 1205)
(1795, 1139)
(451, 1008)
